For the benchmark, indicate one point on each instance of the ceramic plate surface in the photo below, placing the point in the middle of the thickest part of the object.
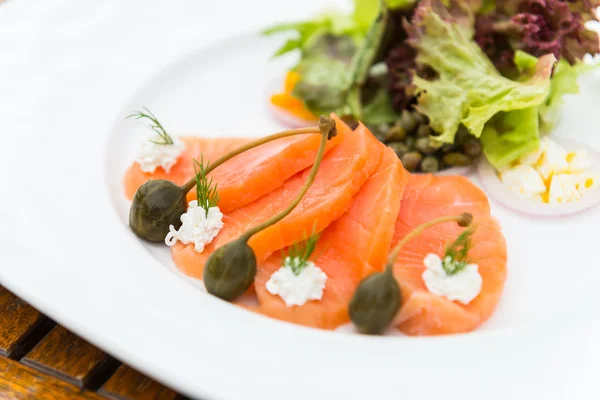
(67, 249)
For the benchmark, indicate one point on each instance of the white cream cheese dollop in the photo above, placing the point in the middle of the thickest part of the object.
(196, 227)
(153, 155)
(295, 290)
(463, 286)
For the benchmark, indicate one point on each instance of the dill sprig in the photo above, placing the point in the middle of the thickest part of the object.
(299, 253)
(155, 125)
(455, 258)
(206, 190)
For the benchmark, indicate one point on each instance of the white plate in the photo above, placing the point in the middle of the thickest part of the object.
(69, 252)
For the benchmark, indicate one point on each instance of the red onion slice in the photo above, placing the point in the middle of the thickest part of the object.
(498, 190)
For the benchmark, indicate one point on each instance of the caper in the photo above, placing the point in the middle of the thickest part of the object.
(447, 147)
(399, 147)
(423, 131)
(435, 144)
(472, 147)
(375, 303)
(410, 142)
(230, 270)
(420, 118)
(461, 135)
(407, 121)
(395, 133)
(430, 164)
(157, 204)
(411, 160)
(383, 127)
(457, 160)
(423, 145)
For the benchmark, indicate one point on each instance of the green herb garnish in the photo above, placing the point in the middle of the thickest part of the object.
(299, 253)
(156, 126)
(455, 258)
(206, 190)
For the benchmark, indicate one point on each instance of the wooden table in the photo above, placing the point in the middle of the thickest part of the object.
(42, 360)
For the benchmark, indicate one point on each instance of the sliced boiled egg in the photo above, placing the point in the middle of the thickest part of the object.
(579, 160)
(560, 177)
(553, 159)
(524, 180)
(563, 188)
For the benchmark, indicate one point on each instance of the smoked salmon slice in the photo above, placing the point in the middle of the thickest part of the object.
(342, 173)
(245, 177)
(349, 249)
(427, 197)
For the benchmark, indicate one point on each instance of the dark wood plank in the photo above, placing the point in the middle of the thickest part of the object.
(18, 381)
(67, 356)
(19, 323)
(127, 383)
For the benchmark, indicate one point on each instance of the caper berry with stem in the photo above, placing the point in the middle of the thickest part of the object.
(157, 204)
(230, 270)
(375, 302)
(377, 298)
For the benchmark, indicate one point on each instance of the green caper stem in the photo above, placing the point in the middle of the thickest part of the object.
(313, 172)
(463, 219)
(292, 132)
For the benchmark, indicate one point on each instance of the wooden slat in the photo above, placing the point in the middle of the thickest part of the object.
(67, 356)
(18, 323)
(126, 383)
(18, 381)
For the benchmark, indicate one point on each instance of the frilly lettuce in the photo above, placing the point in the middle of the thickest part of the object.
(510, 135)
(564, 81)
(468, 89)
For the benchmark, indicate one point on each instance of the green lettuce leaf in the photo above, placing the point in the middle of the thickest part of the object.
(329, 84)
(323, 85)
(380, 109)
(365, 11)
(308, 33)
(563, 81)
(510, 135)
(468, 89)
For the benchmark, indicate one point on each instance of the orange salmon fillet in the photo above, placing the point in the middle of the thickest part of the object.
(427, 197)
(342, 173)
(348, 250)
(244, 178)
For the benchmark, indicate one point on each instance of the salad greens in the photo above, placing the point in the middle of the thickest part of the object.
(469, 90)
(466, 73)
